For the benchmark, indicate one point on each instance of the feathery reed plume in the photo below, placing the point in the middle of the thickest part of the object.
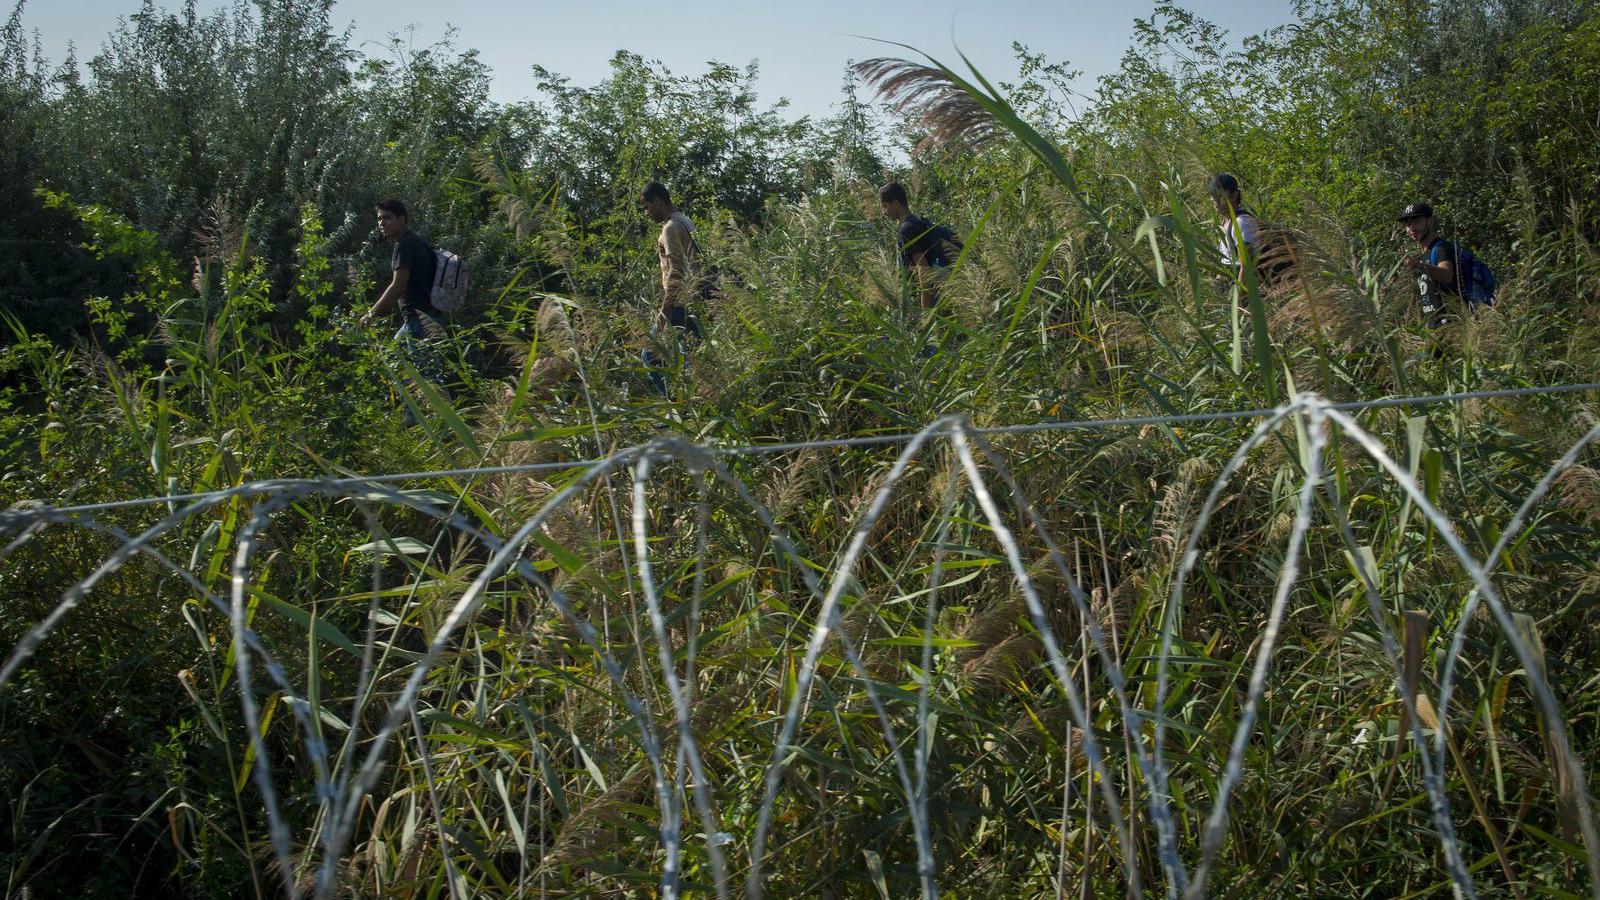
(589, 834)
(1177, 505)
(1052, 587)
(1004, 661)
(558, 347)
(1278, 530)
(218, 236)
(793, 484)
(1589, 584)
(1114, 613)
(1319, 294)
(989, 629)
(548, 373)
(108, 375)
(912, 484)
(1580, 491)
(1056, 723)
(304, 880)
(554, 328)
(717, 713)
(857, 620)
(1123, 331)
(934, 102)
(519, 216)
(1489, 330)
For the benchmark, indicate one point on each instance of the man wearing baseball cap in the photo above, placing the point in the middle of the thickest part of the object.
(1437, 265)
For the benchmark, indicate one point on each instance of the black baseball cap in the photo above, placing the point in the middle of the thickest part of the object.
(1417, 211)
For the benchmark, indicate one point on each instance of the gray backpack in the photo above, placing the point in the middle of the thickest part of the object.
(449, 292)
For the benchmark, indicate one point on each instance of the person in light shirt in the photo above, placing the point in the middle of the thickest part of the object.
(679, 258)
(1241, 232)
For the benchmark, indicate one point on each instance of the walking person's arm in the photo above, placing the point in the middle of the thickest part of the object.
(1443, 274)
(390, 298)
(1247, 235)
(675, 268)
(927, 281)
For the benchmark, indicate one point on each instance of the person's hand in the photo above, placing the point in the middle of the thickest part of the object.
(1414, 263)
(366, 319)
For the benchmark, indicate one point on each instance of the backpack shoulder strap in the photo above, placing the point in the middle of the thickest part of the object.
(688, 229)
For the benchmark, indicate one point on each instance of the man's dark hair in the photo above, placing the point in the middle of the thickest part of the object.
(1223, 183)
(894, 192)
(654, 191)
(393, 208)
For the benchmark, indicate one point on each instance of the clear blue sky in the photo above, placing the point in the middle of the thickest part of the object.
(802, 46)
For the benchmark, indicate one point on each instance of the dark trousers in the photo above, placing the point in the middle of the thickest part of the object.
(681, 324)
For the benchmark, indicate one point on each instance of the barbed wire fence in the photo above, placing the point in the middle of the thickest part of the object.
(345, 776)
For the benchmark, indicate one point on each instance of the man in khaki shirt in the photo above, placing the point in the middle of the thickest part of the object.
(679, 259)
(678, 255)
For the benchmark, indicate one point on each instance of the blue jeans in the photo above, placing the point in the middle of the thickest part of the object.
(419, 338)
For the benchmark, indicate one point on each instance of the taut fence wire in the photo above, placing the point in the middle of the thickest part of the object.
(667, 729)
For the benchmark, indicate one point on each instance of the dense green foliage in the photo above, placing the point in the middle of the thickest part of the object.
(193, 219)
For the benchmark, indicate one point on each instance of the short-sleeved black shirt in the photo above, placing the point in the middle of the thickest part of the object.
(920, 237)
(412, 252)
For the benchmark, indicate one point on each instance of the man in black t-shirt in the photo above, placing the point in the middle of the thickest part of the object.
(413, 265)
(410, 289)
(1438, 265)
(926, 250)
